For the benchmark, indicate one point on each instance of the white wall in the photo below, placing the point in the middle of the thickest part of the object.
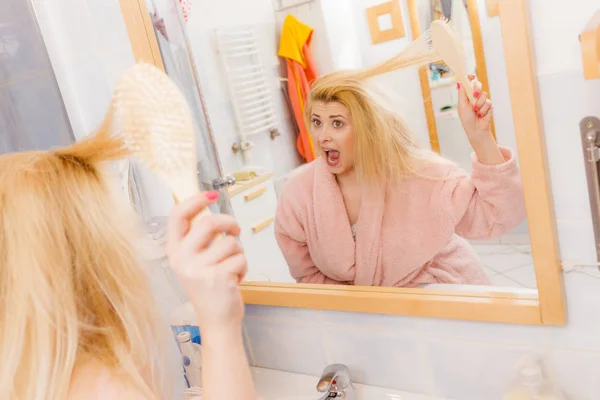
(312, 15)
(278, 155)
(467, 360)
(89, 49)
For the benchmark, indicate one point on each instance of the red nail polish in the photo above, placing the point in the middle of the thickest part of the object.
(212, 195)
(476, 94)
(458, 85)
(480, 115)
(475, 108)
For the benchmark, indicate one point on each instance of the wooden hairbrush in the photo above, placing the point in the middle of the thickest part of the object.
(156, 124)
(448, 47)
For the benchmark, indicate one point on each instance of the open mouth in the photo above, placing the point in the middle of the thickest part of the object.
(332, 157)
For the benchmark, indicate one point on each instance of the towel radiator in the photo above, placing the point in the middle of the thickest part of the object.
(250, 89)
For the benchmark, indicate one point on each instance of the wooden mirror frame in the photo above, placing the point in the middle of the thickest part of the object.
(547, 308)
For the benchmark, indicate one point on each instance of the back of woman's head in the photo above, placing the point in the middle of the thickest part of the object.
(71, 289)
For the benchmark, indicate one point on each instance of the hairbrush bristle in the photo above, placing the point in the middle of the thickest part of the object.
(155, 121)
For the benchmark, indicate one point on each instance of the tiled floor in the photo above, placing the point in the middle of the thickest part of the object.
(508, 265)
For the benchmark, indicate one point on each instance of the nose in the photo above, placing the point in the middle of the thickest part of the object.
(324, 137)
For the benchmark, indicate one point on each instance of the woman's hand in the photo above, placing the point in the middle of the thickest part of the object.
(476, 118)
(209, 270)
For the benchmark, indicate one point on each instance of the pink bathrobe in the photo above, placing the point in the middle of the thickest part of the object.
(407, 236)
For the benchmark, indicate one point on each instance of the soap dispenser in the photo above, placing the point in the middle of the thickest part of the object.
(530, 383)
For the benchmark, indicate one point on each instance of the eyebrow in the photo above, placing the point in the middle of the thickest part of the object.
(331, 116)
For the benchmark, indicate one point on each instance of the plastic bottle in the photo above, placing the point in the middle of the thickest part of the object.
(530, 383)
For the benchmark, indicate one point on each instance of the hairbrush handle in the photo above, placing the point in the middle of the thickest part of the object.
(469, 88)
(184, 189)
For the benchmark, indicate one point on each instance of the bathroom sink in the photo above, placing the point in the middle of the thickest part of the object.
(279, 385)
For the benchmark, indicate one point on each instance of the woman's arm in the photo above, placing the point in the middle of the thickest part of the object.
(490, 202)
(209, 271)
(476, 120)
(291, 239)
(225, 371)
(297, 256)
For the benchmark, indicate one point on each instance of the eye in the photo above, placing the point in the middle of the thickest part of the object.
(337, 123)
(316, 122)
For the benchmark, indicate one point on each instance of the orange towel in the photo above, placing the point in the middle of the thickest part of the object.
(294, 46)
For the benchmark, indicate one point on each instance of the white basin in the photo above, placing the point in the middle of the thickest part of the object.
(279, 385)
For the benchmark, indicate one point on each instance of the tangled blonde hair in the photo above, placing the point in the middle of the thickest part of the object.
(71, 287)
(385, 149)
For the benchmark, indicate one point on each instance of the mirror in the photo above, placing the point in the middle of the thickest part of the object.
(451, 238)
(333, 232)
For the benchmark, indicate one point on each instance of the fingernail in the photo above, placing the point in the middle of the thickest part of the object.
(458, 85)
(480, 115)
(212, 195)
(475, 108)
(476, 94)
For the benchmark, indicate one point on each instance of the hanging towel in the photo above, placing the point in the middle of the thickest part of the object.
(294, 46)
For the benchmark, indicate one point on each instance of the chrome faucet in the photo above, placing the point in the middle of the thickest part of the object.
(335, 382)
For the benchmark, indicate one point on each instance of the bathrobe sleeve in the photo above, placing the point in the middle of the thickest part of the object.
(291, 237)
(490, 202)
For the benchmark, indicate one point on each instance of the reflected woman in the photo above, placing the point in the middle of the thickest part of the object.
(376, 209)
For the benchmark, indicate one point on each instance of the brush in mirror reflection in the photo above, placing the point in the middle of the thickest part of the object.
(388, 193)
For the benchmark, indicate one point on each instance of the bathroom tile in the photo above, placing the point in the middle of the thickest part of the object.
(504, 262)
(514, 238)
(372, 322)
(508, 334)
(524, 248)
(575, 373)
(488, 249)
(502, 281)
(576, 239)
(524, 275)
(582, 331)
(489, 272)
(471, 370)
(279, 314)
(287, 346)
(385, 359)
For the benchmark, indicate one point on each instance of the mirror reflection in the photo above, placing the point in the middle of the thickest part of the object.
(351, 173)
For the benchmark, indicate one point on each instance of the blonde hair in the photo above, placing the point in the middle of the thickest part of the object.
(385, 149)
(71, 287)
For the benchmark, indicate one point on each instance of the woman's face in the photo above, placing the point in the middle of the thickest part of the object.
(332, 131)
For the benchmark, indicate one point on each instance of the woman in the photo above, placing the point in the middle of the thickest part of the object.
(375, 209)
(77, 317)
